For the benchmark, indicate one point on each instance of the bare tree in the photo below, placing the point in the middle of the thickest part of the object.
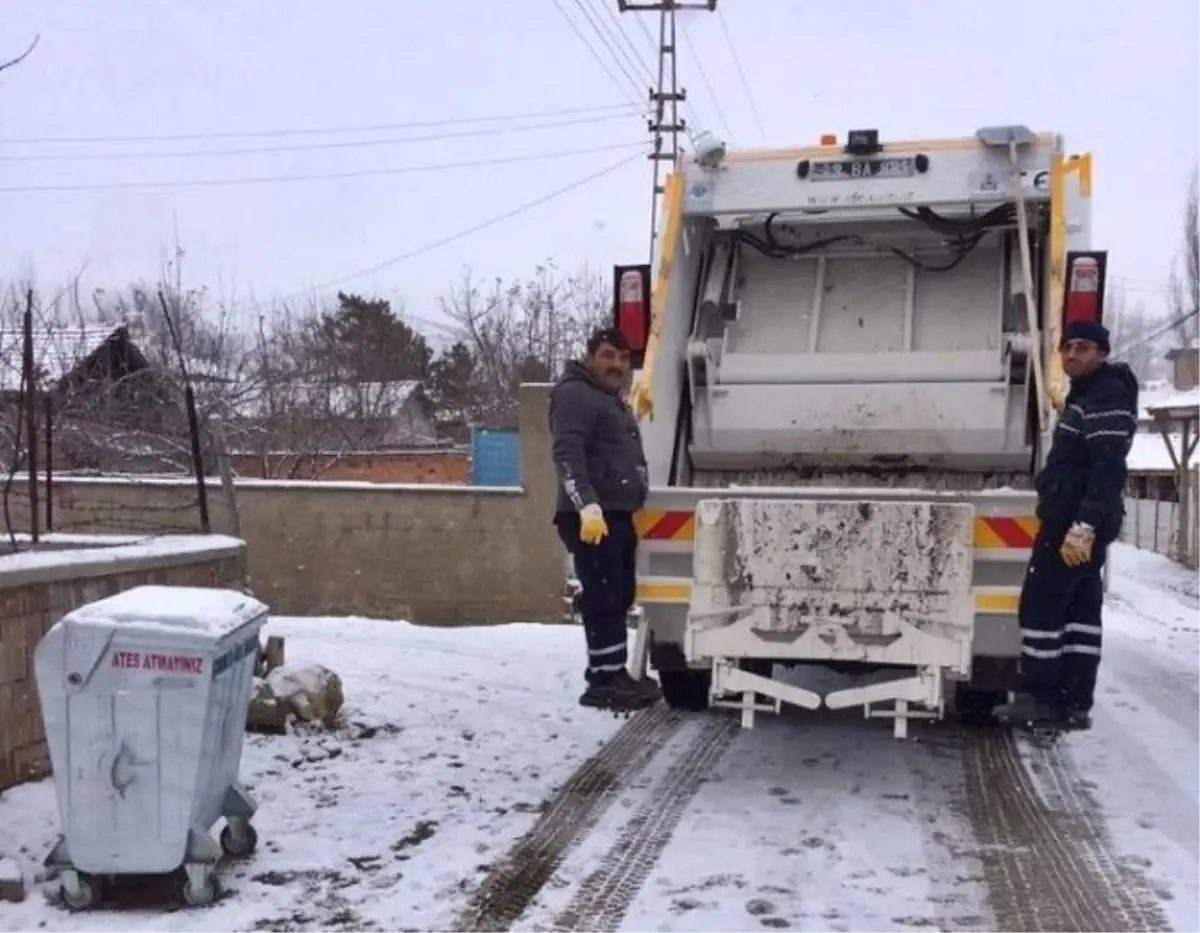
(108, 374)
(13, 62)
(294, 413)
(1185, 286)
(1131, 327)
(521, 331)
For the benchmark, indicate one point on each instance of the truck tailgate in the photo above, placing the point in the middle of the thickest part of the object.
(863, 565)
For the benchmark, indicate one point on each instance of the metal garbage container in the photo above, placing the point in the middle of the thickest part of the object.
(144, 698)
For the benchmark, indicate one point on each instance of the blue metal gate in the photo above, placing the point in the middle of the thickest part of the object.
(495, 457)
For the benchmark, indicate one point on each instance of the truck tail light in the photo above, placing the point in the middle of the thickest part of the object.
(631, 298)
(1084, 299)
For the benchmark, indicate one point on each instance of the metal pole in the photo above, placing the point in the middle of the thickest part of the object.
(189, 401)
(31, 415)
(49, 464)
(189, 398)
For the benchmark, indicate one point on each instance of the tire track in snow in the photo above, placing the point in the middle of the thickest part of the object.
(607, 893)
(1048, 868)
(569, 816)
(1066, 788)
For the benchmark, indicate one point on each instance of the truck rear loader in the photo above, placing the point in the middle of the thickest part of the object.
(847, 376)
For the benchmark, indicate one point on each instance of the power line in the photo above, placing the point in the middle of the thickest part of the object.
(707, 84)
(687, 103)
(605, 40)
(313, 131)
(643, 75)
(666, 95)
(313, 147)
(633, 98)
(737, 61)
(321, 176)
(1161, 332)
(646, 71)
(468, 231)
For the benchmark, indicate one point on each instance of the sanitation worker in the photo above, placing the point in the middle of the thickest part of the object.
(602, 481)
(1080, 507)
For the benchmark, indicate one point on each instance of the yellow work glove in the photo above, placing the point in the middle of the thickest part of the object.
(592, 527)
(639, 399)
(1076, 548)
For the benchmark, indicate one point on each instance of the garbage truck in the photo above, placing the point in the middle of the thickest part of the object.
(846, 376)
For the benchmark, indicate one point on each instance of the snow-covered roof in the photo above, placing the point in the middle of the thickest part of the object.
(56, 350)
(1151, 394)
(1149, 453)
(1183, 402)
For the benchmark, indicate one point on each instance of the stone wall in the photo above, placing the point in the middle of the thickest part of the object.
(438, 554)
(38, 588)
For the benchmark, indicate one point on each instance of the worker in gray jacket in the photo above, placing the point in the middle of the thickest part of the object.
(602, 481)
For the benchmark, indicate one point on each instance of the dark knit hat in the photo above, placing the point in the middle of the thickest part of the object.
(1088, 330)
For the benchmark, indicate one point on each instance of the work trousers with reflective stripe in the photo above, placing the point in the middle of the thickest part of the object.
(1060, 625)
(607, 573)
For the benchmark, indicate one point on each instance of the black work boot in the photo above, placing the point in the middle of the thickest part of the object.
(621, 693)
(1079, 720)
(647, 688)
(1027, 712)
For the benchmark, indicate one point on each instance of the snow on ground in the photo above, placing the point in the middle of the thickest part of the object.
(808, 822)
(812, 821)
(1143, 756)
(456, 737)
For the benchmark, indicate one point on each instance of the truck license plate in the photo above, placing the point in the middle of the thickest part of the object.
(854, 169)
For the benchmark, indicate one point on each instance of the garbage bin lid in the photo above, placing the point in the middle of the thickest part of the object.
(197, 609)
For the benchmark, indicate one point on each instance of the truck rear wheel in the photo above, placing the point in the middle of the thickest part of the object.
(974, 707)
(685, 689)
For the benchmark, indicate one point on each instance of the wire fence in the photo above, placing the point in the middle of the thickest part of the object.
(78, 401)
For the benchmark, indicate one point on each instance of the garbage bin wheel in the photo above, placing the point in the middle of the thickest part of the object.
(200, 892)
(239, 838)
(80, 890)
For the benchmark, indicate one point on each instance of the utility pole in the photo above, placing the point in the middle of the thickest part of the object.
(665, 98)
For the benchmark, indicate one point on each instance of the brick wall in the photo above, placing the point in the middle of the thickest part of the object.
(385, 466)
(442, 555)
(33, 599)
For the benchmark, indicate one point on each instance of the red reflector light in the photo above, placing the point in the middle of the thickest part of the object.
(631, 310)
(1083, 292)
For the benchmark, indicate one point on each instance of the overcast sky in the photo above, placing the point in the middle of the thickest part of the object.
(1118, 78)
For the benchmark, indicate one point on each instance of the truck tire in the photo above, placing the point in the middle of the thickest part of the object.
(685, 689)
(974, 706)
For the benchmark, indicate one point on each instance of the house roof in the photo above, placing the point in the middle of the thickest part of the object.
(1179, 404)
(1153, 394)
(57, 349)
(1149, 454)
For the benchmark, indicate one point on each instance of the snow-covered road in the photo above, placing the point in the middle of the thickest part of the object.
(455, 797)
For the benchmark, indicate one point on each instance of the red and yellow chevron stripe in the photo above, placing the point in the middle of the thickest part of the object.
(661, 525)
(991, 533)
(1008, 532)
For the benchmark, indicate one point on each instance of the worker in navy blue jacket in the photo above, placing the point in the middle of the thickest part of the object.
(1080, 508)
(602, 482)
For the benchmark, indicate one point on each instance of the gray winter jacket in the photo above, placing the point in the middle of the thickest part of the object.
(597, 445)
